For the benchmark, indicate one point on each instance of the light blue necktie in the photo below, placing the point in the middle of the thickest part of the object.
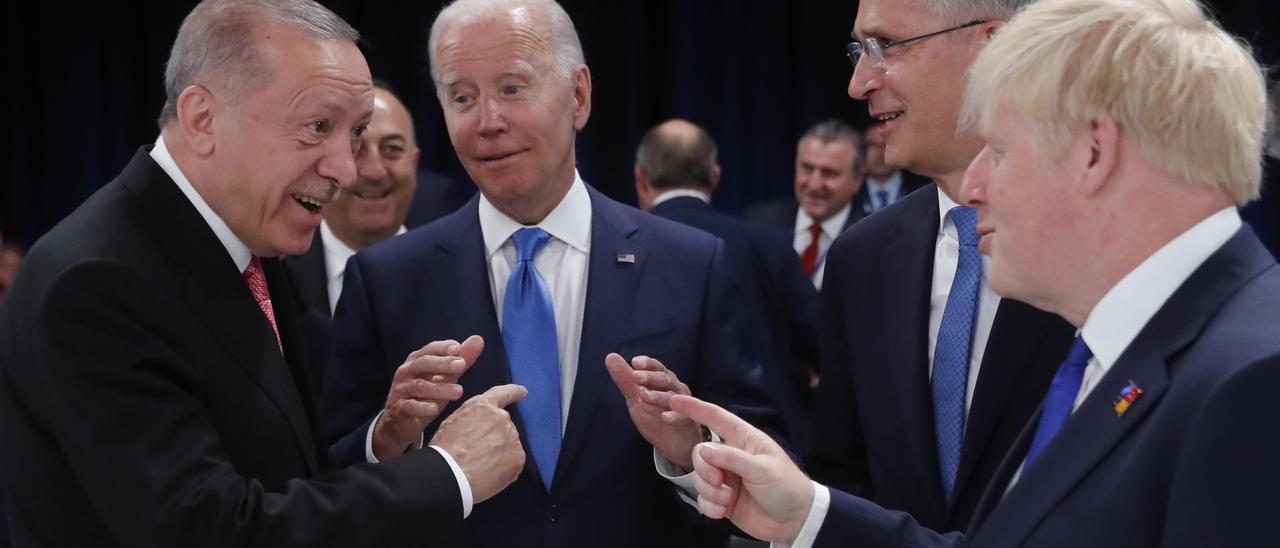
(529, 333)
(883, 197)
(1061, 397)
(955, 342)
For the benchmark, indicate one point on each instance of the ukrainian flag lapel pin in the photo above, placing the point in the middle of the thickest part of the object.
(1127, 396)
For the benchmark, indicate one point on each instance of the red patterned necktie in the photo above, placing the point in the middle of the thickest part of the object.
(810, 256)
(257, 282)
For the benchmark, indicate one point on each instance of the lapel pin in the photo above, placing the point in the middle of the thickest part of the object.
(1127, 396)
(628, 258)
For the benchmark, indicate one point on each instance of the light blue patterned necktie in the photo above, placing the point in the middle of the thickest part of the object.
(529, 333)
(955, 342)
(1061, 397)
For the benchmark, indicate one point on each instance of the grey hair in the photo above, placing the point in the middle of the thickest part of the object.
(215, 44)
(832, 130)
(672, 159)
(959, 12)
(566, 48)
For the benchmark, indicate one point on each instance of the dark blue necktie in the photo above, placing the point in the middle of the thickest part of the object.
(883, 197)
(529, 333)
(1061, 398)
(955, 341)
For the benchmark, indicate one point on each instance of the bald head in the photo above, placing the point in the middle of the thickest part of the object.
(675, 154)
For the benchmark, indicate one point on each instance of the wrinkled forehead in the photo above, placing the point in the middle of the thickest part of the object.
(893, 18)
(511, 42)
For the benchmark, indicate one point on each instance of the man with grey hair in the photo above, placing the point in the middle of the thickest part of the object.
(153, 388)
(927, 374)
(829, 172)
(550, 277)
(1099, 200)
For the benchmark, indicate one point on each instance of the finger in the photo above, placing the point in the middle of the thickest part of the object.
(424, 390)
(732, 429)
(504, 394)
(424, 367)
(717, 494)
(706, 471)
(673, 418)
(751, 468)
(645, 363)
(621, 372)
(446, 347)
(470, 349)
(417, 409)
(655, 380)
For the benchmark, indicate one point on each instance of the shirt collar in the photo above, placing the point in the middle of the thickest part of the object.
(569, 222)
(1127, 307)
(681, 193)
(336, 251)
(831, 227)
(945, 205)
(891, 185)
(237, 249)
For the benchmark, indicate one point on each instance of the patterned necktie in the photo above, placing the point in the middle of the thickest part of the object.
(810, 256)
(257, 282)
(883, 197)
(955, 341)
(1061, 397)
(529, 333)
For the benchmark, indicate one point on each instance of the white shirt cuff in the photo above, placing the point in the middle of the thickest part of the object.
(464, 486)
(683, 481)
(817, 514)
(368, 441)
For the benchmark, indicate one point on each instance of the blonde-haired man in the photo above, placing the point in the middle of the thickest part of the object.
(1120, 135)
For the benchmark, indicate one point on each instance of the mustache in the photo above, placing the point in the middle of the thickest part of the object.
(376, 187)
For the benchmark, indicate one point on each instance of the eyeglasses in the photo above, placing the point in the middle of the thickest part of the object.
(875, 47)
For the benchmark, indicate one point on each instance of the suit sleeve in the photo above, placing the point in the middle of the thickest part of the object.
(358, 378)
(127, 407)
(838, 457)
(1225, 486)
(852, 521)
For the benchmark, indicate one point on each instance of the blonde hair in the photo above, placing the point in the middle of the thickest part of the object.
(1187, 94)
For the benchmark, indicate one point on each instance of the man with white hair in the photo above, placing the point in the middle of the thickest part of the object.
(549, 277)
(153, 388)
(1120, 135)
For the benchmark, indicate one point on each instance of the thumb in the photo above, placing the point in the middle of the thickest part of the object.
(504, 394)
(620, 371)
(753, 469)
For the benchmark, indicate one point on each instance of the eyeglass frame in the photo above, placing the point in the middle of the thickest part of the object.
(856, 49)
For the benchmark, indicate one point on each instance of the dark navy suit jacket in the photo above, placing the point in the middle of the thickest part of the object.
(673, 301)
(875, 431)
(780, 306)
(1191, 463)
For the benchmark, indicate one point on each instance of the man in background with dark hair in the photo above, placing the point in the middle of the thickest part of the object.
(676, 173)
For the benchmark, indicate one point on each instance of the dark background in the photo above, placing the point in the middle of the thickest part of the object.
(84, 86)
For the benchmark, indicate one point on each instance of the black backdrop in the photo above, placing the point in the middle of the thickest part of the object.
(84, 86)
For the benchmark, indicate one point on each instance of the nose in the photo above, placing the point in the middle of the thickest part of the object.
(865, 78)
(492, 122)
(338, 165)
(973, 188)
(369, 163)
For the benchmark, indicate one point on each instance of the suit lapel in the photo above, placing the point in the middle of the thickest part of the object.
(217, 294)
(1095, 428)
(612, 286)
(309, 274)
(906, 266)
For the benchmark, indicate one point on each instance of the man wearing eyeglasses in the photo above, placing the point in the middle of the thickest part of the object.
(927, 375)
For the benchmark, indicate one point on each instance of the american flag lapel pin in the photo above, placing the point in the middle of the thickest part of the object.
(1127, 396)
(627, 258)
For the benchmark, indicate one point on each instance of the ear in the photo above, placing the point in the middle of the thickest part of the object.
(581, 97)
(989, 30)
(1102, 137)
(642, 182)
(197, 107)
(715, 178)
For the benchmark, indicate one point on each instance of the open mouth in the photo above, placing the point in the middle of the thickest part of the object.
(888, 117)
(307, 202)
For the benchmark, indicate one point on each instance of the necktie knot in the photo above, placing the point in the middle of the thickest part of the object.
(883, 197)
(1080, 353)
(529, 242)
(966, 220)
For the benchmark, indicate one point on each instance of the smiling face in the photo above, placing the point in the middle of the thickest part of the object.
(1027, 216)
(825, 179)
(280, 154)
(916, 96)
(512, 117)
(386, 166)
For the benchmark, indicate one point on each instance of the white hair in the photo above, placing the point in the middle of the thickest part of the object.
(215, 46)
(557, 29)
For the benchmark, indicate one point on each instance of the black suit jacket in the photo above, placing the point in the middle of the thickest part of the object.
(144, 400)
(654, 287)
(778, 302)
(1190, 463)
(910, 183)
(309, 279)
(875, 432)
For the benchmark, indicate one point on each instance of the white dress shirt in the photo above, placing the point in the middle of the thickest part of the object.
(1117, 318)
(241, 255)
(831, 228)
(892, 187)
(336, 253)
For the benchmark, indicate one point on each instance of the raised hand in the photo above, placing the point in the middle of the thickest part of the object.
(484, 442)
(422, 386)
(648, 387)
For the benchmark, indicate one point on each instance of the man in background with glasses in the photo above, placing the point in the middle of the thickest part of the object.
(927, 375)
